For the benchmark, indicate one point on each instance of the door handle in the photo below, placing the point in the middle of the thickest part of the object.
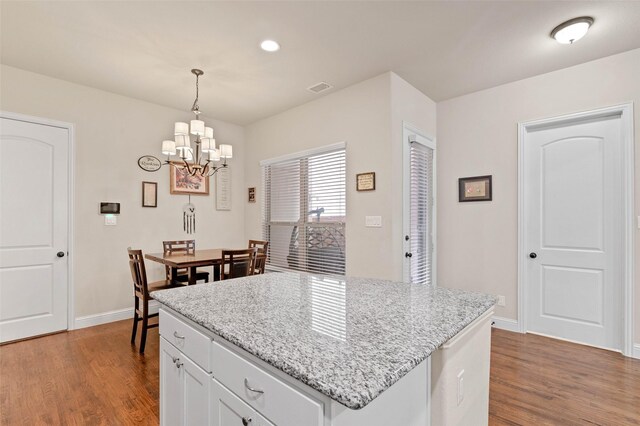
(60, 254)
(533, 255)
(246, 421)
(408, 254)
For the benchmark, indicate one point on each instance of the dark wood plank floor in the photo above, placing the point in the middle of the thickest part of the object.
(93, 377)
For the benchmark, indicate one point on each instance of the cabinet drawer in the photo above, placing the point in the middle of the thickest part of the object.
(190, 341)
(278, 402)
(227, 409)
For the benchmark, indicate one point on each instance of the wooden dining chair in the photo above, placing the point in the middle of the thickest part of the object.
(186, 247)
(141, 289)
(238, 263)
(261, 257)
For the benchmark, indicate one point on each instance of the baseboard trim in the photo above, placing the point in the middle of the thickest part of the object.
(636, 351)
(506, 324)
(111, 316)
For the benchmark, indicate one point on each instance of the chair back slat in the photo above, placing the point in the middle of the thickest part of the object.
(179, 246)
(138, 273)
(241, 263)
(261, 259)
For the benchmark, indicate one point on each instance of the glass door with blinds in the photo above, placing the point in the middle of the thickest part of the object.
(419, 208)
(304, 211)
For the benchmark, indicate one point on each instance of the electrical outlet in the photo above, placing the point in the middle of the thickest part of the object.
(460, 386)
(501, 301)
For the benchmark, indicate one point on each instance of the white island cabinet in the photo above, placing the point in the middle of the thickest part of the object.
(256, 352)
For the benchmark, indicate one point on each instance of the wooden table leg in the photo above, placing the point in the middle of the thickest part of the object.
(174, 276)
(192, 275)
(216, 272)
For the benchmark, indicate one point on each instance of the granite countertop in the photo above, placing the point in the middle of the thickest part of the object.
(348, 338)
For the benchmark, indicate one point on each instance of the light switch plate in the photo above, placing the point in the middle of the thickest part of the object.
(373, 221)
(110, 220)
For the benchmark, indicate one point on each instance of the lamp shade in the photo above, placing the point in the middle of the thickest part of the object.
(168, 148)
(208, 144)
(226, 151)
(187, 154)
(182, 142)
(197, 127)
(208, 132)
(214, 155)
(181, 129)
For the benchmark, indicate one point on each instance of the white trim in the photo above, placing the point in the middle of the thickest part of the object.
(506, 324)
(305, 153)
(408, 132)
(71, 164)
(626, 114)
(636, 351)
(111, 316)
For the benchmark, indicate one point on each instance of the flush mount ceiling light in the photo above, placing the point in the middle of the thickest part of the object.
(270, 46)
(572, 30)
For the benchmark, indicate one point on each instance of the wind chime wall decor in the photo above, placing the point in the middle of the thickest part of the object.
(189, 217)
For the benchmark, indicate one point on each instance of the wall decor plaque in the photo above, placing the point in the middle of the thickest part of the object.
(149, 163)
(223, 189)
(252, 194)
(366, 181)
(149, 194)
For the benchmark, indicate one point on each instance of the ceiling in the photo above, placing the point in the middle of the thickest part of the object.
(145, 49)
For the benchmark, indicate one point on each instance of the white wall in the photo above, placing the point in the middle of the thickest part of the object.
(365, 117)
(477, 135)
(111, 133)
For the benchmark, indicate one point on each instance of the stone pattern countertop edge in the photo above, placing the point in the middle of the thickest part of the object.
(354, 402)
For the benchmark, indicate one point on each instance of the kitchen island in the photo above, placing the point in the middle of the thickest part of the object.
(304, 349)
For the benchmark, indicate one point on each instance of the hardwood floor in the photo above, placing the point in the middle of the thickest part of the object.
(91, 376)
(536, 380)
(94, 377)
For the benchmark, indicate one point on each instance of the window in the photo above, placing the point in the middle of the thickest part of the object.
(421, 213)
(304, 211)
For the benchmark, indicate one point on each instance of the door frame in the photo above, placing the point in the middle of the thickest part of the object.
(71, 154)
(409, 129)
(625, 111)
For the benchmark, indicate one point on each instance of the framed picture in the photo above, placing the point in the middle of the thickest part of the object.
(149, 194)
(252, 195)
(366, 181)
(181, 182)
(476, 188)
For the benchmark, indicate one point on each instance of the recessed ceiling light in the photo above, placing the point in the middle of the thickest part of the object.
(270, 46)
(572, 30)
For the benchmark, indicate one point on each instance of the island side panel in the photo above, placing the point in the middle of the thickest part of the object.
(460, 376)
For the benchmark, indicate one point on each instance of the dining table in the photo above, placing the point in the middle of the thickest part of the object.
(191, 261)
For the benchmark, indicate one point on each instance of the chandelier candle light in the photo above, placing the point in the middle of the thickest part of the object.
(204, 160)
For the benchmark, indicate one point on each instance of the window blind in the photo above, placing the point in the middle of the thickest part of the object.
(304, 212)
(421, 219)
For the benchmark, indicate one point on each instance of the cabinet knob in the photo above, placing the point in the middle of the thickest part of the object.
(408, 254)
(60, 254)
(246, 421)
(533, 255)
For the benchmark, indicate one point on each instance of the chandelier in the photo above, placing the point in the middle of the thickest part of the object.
(204, 158)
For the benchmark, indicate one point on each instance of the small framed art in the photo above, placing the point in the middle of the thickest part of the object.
(476, 188)
(252, 195)
(182, 182)
(149, 194)
(366, 181)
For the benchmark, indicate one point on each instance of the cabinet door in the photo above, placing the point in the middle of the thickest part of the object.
(196, 384)
(229, 410)
(170, 385)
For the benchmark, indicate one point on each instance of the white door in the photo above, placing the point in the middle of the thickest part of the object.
(419, 208)
(574, 210)
(34, 200)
